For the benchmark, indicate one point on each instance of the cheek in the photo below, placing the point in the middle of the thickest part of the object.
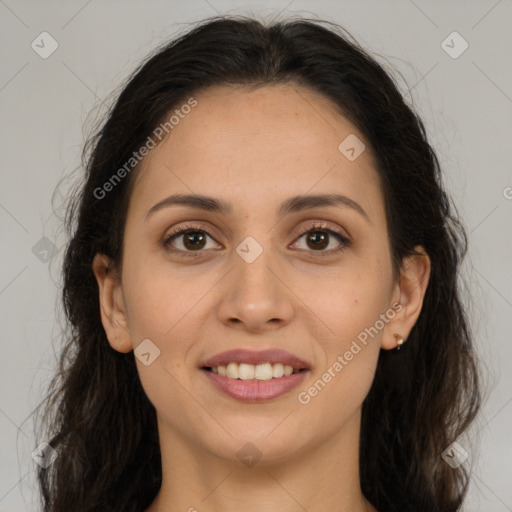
(157, 310)
(348, 310)
(348, 302)
(349, 349)
(159, 302)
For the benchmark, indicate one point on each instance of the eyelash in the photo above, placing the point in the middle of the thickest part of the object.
(344, 241)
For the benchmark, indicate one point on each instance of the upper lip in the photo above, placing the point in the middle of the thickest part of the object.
(241, 355)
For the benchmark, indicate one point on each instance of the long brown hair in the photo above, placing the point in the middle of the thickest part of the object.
(422, 399)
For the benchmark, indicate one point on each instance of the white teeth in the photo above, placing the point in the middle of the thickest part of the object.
(246, 371)
(243, 371)
(232, 371)
(277, 370)
(263, 372)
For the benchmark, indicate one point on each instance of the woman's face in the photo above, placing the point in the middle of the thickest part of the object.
(268, 273)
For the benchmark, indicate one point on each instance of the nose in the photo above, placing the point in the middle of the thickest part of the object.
(255, 296)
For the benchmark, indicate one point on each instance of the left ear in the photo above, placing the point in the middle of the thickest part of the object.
(409, 292)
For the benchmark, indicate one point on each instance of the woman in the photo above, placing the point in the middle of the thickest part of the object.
(262, 284)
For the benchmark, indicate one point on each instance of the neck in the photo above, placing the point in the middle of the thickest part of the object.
(317, 478)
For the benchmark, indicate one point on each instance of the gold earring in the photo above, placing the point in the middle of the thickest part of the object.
(399, 341)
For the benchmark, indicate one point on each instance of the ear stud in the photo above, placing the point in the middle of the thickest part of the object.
(399, 341)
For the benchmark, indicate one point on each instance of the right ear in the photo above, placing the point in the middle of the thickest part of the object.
(112, 307)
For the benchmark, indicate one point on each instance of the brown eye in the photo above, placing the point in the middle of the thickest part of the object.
(187, 240)
(317, 239)
(194, 240)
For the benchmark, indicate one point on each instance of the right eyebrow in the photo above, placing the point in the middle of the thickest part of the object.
(201, 202)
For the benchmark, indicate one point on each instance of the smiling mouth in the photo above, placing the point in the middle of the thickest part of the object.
(255, 383)
(250, 372)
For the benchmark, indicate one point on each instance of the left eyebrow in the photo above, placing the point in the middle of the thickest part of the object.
(307, 202)
(291, 205)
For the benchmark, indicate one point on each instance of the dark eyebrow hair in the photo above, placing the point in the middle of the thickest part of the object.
(292, 205)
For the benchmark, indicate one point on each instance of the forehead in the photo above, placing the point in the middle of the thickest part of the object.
(258, 143)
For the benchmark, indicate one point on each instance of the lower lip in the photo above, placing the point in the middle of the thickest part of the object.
(255, 390)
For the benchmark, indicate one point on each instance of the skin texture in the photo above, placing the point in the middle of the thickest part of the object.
(256, 148)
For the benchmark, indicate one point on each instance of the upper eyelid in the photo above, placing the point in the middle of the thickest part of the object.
(320, 225)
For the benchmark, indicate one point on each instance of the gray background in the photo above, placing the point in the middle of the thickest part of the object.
(48, 105)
